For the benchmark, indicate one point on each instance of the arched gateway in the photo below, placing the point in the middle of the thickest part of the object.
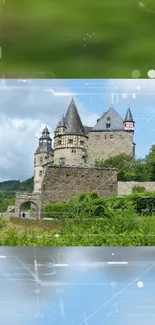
(34, 198)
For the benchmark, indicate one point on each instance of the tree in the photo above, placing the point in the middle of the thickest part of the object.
(123, 163)
(150, 160)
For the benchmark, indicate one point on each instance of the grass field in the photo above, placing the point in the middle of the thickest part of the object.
(77, 39)
(96, 233)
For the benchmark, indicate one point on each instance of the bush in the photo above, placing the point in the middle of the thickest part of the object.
(144, 204)
(58, 210)
(138, 189)
(2, 222)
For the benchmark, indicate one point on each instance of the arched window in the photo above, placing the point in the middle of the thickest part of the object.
(109, 119)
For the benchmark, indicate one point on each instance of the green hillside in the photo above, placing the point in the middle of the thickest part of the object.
(14, 185)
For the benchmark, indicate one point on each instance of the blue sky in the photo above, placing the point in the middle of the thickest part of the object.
(26, 106)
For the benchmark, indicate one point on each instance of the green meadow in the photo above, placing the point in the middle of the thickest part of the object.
(77, 39)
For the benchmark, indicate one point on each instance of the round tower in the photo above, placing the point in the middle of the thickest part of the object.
(70, 139)
(129, 122)
(43, 153)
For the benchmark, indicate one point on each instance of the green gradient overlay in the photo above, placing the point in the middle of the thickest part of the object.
(47, 36)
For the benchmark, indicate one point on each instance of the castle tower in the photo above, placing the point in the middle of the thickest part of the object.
(129, 122)
(70, 139)
(129, 126)
(43, 154)
(111, 136)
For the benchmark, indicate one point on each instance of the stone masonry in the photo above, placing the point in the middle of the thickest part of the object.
(125, 188)
(62, 182)
(34, 198)
(102, 145)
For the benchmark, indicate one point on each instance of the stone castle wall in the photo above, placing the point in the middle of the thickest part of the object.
(39, 159)
(61, 182)
(102, 145)
(71, 156)
(125, 188)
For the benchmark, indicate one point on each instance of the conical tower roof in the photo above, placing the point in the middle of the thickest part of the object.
(73, 121)
(62, 122)
(128, 117)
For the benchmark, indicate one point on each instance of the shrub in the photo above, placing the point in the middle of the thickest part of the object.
(2, 222)
(138, 189)
(58, 210)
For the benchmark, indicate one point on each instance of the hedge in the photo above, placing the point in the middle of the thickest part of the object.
(58, 210)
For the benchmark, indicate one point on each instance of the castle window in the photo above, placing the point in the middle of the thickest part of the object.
(121, 137)
(59, 142)
(111, 136)
(108, 125)
(40, 172)
(62, 161)
(44, 187)
(34, 160)
(41, 160)
(97, 137)
(108, 119)
(105, 137)
(74, 150)
(82, 142)
(70, 141)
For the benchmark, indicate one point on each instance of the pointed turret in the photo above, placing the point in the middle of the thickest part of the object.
(62, 122)
(128, 121)
(43, 151)
(128, 117)
(45, 142)
(73, 121)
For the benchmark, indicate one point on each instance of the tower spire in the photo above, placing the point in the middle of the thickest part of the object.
(73, 120)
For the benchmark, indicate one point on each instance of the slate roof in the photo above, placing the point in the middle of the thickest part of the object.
(115, 121)
(62, 122)
(45, 134)
(87, 129)
(44, 146)
(73, 120)
(128, 117)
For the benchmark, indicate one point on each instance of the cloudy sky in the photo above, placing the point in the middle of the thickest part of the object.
(26, 106)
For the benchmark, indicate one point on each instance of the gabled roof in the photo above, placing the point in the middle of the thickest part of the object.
(73, 121)
(128, 117)
(115, 121)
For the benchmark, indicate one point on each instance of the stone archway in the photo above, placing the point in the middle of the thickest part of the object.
(28, 197)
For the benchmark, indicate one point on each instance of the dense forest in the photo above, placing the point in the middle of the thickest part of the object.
(15, 186)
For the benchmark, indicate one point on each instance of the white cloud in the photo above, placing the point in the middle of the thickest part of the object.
(24, 114)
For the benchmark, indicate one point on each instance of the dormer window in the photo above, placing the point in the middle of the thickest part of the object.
(59, 142)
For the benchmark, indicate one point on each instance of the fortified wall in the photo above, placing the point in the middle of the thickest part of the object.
(125, 188)
(60, 183)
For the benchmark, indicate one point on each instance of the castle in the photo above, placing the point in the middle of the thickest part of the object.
(80, 146)
(68, 167)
